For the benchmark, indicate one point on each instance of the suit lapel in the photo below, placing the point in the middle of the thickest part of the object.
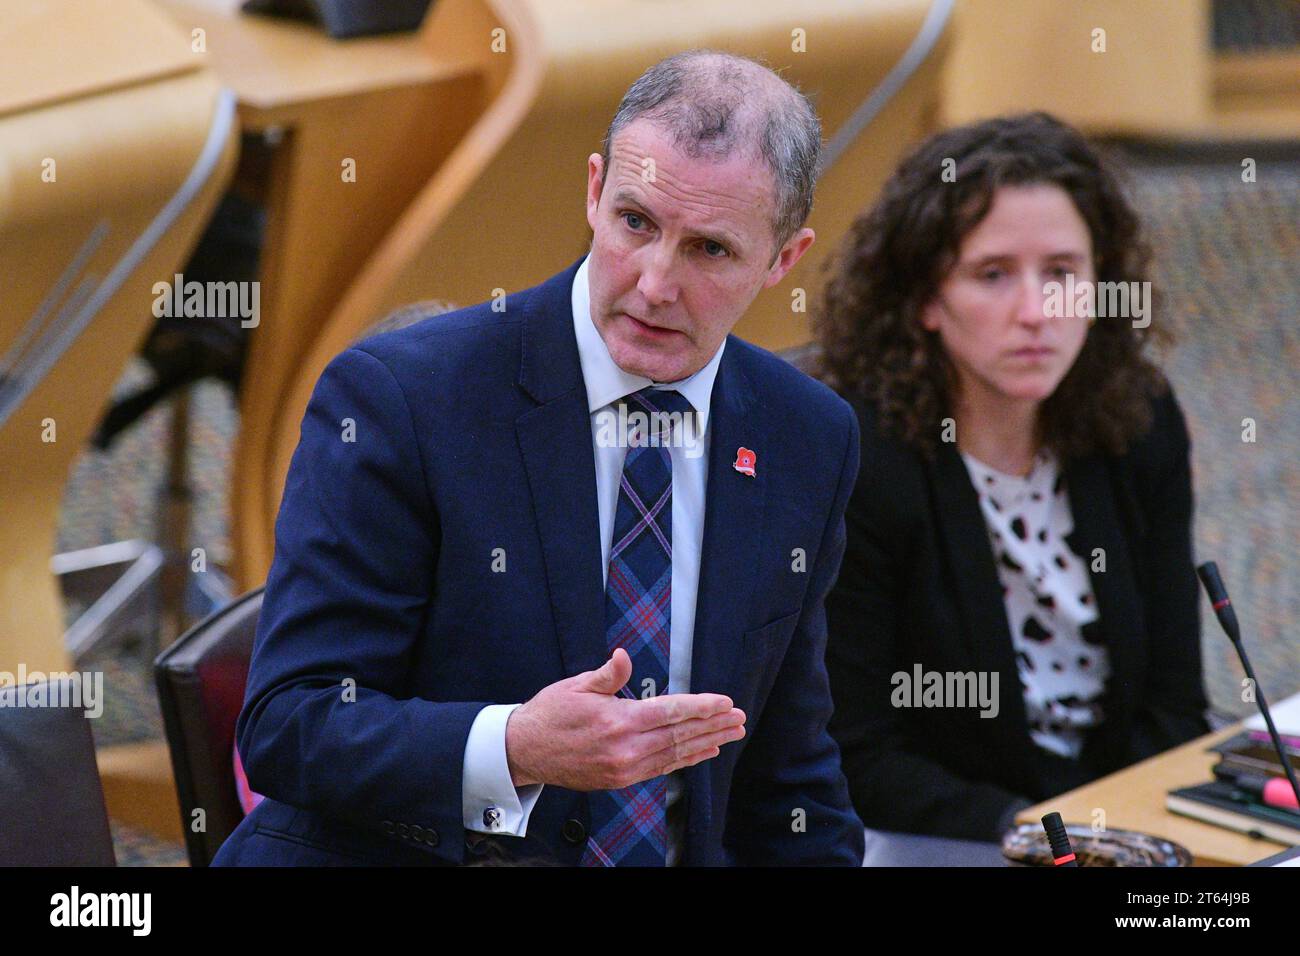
(1097, 525)
(733, 532)
(975, 577)
(555, 443)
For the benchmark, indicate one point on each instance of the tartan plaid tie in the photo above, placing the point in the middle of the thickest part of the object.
(629, 826)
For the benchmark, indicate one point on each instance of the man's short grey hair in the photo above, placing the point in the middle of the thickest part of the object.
(714, 103)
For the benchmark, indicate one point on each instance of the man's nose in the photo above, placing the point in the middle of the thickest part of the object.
(658, 282)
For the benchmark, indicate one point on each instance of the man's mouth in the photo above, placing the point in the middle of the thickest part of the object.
(651, 331)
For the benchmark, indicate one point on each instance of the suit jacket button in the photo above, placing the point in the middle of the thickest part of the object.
(388, 827)
(403, 831)
(573, 831)
(417, 833)
(430, 836)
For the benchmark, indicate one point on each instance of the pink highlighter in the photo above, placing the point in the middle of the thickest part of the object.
(1274, 791)
(1277, 792)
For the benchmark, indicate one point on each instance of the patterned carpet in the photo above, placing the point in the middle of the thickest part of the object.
(114, 496)
(137, 848)
(1228, 259)
(131, 712)
(1229, 262)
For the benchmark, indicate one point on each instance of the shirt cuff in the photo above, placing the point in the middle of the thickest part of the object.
(489, 799)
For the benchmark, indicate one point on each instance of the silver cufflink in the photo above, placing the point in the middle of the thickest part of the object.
(492, 817)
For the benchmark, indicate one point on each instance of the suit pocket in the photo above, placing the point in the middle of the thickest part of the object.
(269, 847)
(762, 650)
(761, 640)
(284, 832)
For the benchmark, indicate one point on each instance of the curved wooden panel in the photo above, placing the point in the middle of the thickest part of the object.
(120, 157)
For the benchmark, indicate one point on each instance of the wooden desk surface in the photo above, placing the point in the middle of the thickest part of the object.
(272, 63)
(1134, 799)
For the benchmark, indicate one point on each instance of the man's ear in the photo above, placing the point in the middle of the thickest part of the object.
(788, 255)
(595, 184)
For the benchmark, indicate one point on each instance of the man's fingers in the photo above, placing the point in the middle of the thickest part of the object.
(692, 760)
(686, 754)
(674, 708)
(683, 733)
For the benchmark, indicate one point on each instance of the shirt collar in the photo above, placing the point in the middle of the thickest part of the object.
(606, 382)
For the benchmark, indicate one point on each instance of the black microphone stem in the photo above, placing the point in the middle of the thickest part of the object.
(1218, 595)
(1268, 719)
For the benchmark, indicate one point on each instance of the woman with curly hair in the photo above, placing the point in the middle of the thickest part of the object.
(1016, 613)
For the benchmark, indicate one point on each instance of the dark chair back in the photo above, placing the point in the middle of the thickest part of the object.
(52, 809)
(201, 680)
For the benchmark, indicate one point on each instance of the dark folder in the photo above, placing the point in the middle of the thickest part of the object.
(348, 18)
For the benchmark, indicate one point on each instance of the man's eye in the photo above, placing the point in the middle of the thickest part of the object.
(991, 275)
(633, 221)
(1059, 272)
(715, 250)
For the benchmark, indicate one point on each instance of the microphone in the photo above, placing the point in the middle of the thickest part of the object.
(1219, 600)
(1059, 840)
(1222, 604)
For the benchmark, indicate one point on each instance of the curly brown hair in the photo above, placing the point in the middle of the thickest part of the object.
(896, 255)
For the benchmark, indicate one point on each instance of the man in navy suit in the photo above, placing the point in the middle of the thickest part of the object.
(593, 501)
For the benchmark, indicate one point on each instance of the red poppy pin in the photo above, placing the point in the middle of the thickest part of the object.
(745, 461)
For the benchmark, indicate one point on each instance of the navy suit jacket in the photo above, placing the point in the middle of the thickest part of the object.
(384, 628)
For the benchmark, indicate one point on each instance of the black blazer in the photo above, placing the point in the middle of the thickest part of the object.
(918, 585)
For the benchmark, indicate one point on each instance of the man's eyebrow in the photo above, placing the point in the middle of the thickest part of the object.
(623, 197)
(723, 237)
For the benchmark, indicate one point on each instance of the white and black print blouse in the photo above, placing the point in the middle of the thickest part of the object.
(1050, 605)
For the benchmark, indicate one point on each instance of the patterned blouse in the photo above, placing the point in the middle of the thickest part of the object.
(1049, 601)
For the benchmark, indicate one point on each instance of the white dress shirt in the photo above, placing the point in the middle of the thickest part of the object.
(491, 802)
